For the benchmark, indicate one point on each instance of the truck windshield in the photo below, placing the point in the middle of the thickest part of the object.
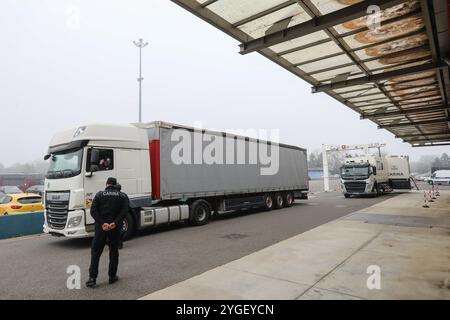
(357, 171)
(65, 164)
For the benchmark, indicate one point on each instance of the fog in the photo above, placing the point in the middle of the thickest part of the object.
(67, 63)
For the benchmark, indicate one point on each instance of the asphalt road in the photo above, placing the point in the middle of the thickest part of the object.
(35, 267)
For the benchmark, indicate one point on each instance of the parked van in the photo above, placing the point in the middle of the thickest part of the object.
(440, 177)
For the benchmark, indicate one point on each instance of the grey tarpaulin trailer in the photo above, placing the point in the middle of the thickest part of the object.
(231, 175)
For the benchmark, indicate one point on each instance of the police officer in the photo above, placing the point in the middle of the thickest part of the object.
(109, 208)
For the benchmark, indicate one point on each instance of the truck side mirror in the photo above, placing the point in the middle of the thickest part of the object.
(374, 169)
(95, 156)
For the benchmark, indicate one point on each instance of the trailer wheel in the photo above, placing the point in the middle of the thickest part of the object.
(199, 212)
(279, 201)
(128, 228)
(288, 199)
(268, 202)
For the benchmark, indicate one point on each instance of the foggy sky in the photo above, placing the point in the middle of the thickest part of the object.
(57, 73)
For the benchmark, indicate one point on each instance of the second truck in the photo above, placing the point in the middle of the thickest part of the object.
(374, 175)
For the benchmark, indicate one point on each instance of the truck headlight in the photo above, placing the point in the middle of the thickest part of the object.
(74, 222)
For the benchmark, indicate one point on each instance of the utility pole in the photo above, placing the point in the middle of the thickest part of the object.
(140, 44)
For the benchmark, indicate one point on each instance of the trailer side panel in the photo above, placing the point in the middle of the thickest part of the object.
(187, 180)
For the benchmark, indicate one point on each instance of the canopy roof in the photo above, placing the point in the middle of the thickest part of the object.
(385, 59)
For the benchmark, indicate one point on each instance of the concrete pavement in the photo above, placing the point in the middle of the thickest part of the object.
(392, 250)
(163, 256)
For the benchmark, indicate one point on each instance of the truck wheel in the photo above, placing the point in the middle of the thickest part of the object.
(268, 202)
(128, 228)
(279, 201)
(199, 212)
(288, 199)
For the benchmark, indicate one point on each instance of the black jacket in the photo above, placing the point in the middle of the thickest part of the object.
(109, 206)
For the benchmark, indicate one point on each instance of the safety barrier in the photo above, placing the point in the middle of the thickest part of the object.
(430, 196)
(22, 224)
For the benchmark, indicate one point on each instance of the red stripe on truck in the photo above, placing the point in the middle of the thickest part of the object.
(154, 149)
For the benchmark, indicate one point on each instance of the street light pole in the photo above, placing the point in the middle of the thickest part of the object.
(140, 44)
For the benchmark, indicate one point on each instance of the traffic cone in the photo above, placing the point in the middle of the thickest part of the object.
(425, 200)
(433, 193)
(430, 197)
(437, 192)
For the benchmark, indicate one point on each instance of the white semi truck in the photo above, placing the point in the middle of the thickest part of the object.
(170, 172)
(374, 175)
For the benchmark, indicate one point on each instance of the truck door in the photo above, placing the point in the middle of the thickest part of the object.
(97, 174)
(127, 169)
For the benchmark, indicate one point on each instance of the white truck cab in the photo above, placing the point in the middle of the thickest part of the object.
(364, 175)
(72, 180)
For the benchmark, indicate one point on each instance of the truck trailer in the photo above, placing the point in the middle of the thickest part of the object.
(170, 173)
(399, 172)
(374, 175)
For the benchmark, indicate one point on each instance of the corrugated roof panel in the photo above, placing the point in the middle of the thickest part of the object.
(234, 11)
(387, 73)
(286, 17)
(326, 63)
(338, 71)
(349, 95)
(364, 87)
(327, 6)
(372, 98)
(390, 47)
(312, 52)
(299, 42)
(384, 15)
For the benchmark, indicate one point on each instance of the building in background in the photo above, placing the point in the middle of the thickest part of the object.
(21, 180)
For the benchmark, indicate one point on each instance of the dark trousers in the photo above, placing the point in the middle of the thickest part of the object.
(100, 239)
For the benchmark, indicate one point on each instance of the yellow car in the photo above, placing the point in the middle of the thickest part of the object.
(20, 203)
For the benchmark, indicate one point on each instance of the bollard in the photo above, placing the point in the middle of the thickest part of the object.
(425, 200)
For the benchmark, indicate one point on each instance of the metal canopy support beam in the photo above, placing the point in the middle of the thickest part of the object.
(427, 140)
(376, 77)
(433, 41)
(410, 111)
(207, 3)
(316, 24)
(412, 124)
(407, 136)
(430, 145)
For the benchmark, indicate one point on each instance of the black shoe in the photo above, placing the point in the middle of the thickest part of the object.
(91, 283)
(113, 279)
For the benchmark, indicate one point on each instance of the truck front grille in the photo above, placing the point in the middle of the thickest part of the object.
(56, 213)
(355, 186)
